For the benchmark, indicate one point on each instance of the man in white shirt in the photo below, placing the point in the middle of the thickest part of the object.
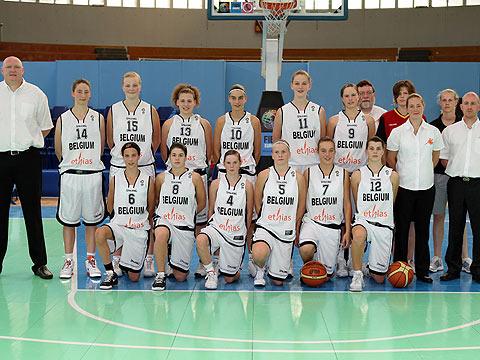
(366, 93)
(460, 156)
(24, 122)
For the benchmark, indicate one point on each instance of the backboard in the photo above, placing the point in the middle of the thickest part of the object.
(306, 10)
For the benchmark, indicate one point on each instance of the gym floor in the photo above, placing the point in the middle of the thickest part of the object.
(74, 320)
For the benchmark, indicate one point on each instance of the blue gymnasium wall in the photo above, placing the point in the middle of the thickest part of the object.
(215, 77)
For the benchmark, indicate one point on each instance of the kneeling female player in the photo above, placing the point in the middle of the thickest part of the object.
(280, 203)
(231, 208)
(180, 194)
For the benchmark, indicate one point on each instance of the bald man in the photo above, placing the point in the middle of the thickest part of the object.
(460, 157)
(24, 122)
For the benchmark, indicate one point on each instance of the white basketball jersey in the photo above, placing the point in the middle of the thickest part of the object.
(301, 129)
(190, 133)
(351, 142)
(132, 127)
(130, 201)
(81, 142)
(177, 203)
(325, 196)
(230, 209)
(238, 136)
(375, 196)
(279, 204)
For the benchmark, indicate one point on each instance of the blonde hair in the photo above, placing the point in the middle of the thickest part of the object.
(451, 91)
(281, 141)
(302, 72)
(131, 74)
(415, 95)
(185, 89)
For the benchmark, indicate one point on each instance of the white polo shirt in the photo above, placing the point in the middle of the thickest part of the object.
(462, 149)
(24, 114)
(414, 158)
(376, 112)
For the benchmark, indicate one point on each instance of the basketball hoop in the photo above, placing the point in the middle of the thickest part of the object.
(274, 28)
(276, 13)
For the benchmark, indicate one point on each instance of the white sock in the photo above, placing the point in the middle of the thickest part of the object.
(69, 256)
(209, 267)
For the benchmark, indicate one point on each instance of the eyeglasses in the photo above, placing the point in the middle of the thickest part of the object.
(362, 93)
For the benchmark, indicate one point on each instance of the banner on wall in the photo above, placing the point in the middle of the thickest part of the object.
(270, 102)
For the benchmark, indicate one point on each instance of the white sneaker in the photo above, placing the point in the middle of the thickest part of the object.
(259, 277)
(365, 270)
(357, 283)
(116, 266)
(411, 263)
(200, 272)
(67, 269)
(342, 270)
(436, 264)
(211, 280)
(92, 270)
(466, 262)
(252, 269)
(148, 268)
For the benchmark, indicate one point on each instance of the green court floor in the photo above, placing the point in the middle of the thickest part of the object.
(53, 320)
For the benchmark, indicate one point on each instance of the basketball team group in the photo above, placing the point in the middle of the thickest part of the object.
(354, 193)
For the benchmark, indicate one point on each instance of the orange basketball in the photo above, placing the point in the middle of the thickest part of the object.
(400, 274)
(313, 274)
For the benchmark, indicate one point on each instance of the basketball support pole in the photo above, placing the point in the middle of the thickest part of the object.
(272, 99)
(272, 57)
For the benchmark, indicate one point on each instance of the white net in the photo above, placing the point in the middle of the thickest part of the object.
(276, 13)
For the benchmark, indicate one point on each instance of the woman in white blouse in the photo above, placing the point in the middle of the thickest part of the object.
(413, 151)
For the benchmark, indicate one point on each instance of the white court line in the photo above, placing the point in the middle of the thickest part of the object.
(249, 350)
(77, 308)
(292, 291)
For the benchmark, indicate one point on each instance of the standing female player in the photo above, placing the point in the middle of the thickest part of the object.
(301, 123)
(328, 208)
(191, 130)
(131, 198)
(350, 129)
(413, 151)
(133, 120)
(180, 193)
(280, 203)
(241, 131)
(79, 142)
(230, 213)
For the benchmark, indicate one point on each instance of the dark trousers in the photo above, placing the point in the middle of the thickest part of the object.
(25, 171)
(413, 206)
(463, 196)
